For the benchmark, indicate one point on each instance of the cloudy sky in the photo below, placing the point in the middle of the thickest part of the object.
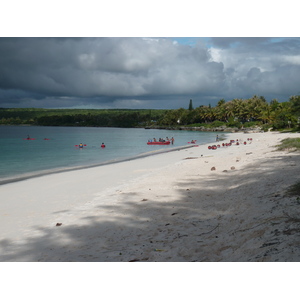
(145, 71)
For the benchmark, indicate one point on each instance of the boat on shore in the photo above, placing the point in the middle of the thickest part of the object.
(159, 143)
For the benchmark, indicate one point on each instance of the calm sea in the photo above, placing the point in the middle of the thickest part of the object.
(20, 156)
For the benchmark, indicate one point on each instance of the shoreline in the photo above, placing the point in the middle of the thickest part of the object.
(37, 174)
(195, 204)
(15, 168)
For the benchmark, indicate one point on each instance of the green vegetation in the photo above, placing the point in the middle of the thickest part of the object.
(290, 144)
(191, 107)
(79, 117)
(294, 190)
(237, 113)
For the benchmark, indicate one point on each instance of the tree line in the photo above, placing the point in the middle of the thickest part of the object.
(238, 113)
(234, 113)
(79, 117)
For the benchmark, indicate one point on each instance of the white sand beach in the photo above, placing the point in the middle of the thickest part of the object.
(170, 207)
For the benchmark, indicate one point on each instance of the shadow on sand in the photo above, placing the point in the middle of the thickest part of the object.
(235, 215)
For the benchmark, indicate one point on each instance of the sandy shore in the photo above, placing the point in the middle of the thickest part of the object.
(169, 207)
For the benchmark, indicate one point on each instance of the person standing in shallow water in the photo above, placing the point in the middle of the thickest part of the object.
(172, 140)
(217, 138)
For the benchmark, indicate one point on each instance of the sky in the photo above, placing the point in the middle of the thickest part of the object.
(145, 69)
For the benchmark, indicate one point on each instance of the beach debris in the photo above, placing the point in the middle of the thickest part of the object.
(224, 171)
(159, 250)
(232, 168)
(167, 224)
(180, 236)
(210, 230)
(133, 260)
(174, 214)
(269, 244)
(142, 259)
(145, 200)
(276, 195)
(248, 153)
(191, 157)
(213, 169)
(58, 224)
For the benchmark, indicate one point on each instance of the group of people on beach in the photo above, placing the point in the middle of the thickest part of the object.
(163, 140)
(232, 142)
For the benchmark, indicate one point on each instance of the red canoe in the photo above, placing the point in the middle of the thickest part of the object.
(159, 143)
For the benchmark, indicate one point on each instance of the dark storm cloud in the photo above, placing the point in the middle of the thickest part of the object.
(264, 66)
(132, 72)
(109, 67)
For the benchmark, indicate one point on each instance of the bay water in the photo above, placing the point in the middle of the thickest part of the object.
(54, 148)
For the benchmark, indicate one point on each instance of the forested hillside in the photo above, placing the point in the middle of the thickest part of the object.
(79, 117)
(239, 113)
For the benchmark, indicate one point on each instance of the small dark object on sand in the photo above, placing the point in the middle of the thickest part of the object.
(133, 260)
(58, 224)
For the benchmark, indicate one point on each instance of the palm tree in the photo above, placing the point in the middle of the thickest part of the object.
(237, 108)
(229, 110)
(295, 104)
(208, 114)
(266, 114)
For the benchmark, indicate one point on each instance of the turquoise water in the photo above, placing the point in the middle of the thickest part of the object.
(19, 156)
